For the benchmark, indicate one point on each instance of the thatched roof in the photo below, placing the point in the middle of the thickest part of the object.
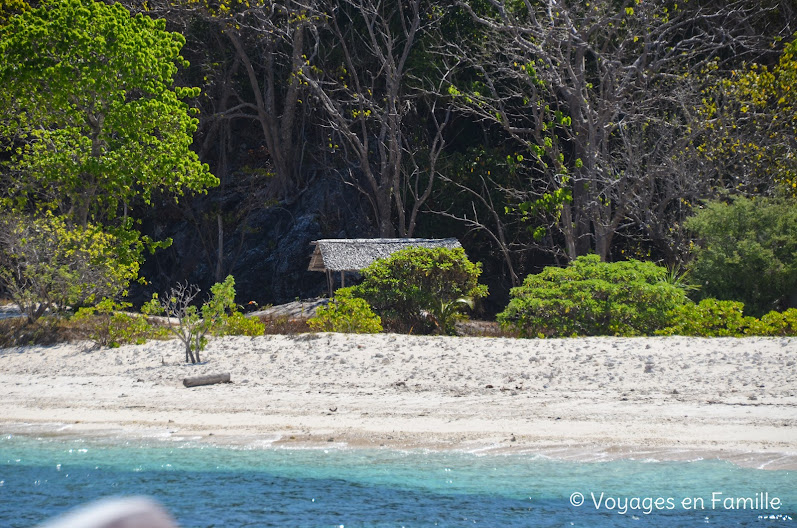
(357, 253)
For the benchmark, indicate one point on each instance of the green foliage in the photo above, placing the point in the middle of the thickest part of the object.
(445, 313)
(89, 103)
(220, 303)
(714, 318)
(190, 327)
(109, 327)
(237, 323)
(416, 282)
(590, 297)
(222, 311)
(774, 324)
(747, 252)
(217, 316)
(9, 8)
(750, 121)
(347, 314)
(709, 318)
(48, 265)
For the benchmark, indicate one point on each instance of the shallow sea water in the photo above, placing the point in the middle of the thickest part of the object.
(209, 486)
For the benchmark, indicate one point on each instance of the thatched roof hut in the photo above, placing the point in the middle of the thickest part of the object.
(353, 254)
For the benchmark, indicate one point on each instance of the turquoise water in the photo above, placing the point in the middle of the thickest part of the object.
(208, 486)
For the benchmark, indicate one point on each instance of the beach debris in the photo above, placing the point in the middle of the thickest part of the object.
(208, 379)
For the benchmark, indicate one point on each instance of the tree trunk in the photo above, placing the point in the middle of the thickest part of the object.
(220, 249)
(189, 356)
(384, 201)
(568, 230)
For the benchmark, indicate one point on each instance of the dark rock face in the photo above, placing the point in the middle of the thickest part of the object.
(268, 255)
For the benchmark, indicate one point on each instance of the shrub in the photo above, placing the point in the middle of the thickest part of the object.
(709, 318)
(108, 326)
(237, 323)
(714, 318)
(590, 297)
(422, 288)
(347, 314)
(284, 325)
(775, 324)
(747, 252)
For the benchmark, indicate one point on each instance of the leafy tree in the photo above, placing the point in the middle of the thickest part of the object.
(417, 281)
(48, 265)
(751, 125)
(89, 105)
(193, 323)
(747, 251)
(251, 54)
(590, 297)
(217, 315)
(9, 8)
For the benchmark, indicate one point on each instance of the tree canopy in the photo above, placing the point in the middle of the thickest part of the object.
(751, 118)
(535, 132)
(90, 111)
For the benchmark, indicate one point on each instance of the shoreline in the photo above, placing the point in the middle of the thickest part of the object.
(581, 399)
(114, 434)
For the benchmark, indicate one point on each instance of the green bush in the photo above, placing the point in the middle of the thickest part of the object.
(422, 289)
(590, 297)
(775, 324)
(709, 318)
(714, 318)
(347, 314)
(108, 326)
(237, 323)
(747, 252)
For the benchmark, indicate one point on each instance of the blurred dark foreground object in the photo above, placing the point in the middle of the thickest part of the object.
(124, 512)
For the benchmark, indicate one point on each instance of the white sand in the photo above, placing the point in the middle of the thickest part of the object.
(588, 398)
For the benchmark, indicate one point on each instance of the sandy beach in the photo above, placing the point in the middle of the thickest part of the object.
(584, 399)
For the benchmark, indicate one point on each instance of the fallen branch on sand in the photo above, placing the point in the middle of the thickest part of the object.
(209, 379)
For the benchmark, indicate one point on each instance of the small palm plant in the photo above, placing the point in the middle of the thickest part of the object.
(445, 314)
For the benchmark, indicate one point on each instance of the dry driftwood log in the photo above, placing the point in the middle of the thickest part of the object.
(208, 379)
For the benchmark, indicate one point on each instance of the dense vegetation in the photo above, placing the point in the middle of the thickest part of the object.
(747, 253)
(421, 289)
(590, 297)
(536, 134)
